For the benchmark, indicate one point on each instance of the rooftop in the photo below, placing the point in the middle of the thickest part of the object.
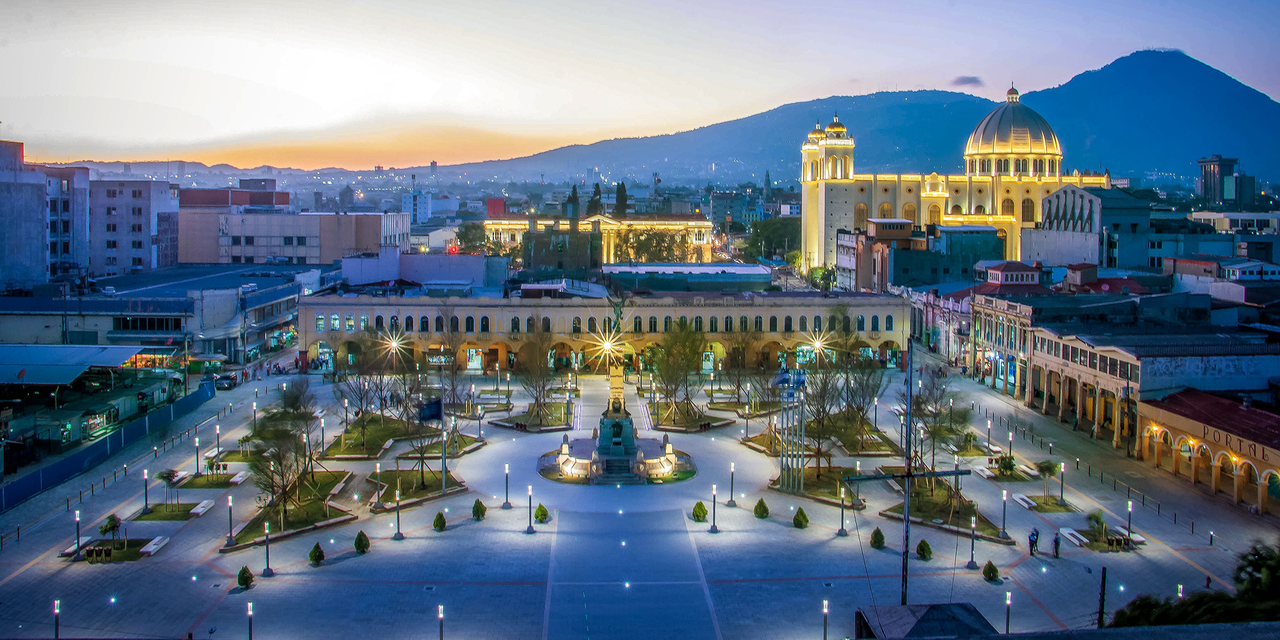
(1250, 423)
(688, 267)
(57, 363)
(175, 282)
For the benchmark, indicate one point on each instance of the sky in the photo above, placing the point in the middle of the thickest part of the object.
(322, 83)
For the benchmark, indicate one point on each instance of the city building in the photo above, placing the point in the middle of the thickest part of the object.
(893, 253)
(133, 225)
(1012, 160)
(617, 235)
(1222, 183)
(254, 195)
(45, 210)
(288, 238)
(1240, 222)
(721, 277)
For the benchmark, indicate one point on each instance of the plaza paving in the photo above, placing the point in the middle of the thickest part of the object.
(575, 578)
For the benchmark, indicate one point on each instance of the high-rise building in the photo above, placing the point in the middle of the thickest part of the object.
(46, 220)
(125, 219)
(1212, 171)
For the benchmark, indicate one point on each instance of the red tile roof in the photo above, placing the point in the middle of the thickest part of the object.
(1112, 285)
(993, 289)
(1014, 267)
(1251, 423)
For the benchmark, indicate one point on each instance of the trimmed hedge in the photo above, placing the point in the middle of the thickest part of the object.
(877, 539)
(438, 524)
(478, 510)
(541, 514)
(362, 543)
(244, 579)
(924, 550)
(699, 512)
(801, 519)
(990, 572)
(762, 509)
(316, 556)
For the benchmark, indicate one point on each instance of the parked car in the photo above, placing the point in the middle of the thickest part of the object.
(226, 381)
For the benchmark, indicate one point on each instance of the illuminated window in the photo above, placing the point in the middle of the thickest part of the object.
(335, 322)
(351, 322)
(320, 322)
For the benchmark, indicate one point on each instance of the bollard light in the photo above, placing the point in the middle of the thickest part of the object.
(714, 528)
(1008, 605)
(530, 528)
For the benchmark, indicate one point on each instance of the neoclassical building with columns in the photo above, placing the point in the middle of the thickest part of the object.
(787, 323)
(1012, 160)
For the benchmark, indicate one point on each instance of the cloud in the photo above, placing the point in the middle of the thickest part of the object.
(967, 81)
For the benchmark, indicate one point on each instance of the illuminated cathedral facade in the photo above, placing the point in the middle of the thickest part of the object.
(1012, 161)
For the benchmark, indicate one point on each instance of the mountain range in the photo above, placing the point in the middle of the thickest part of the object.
(1153, 110)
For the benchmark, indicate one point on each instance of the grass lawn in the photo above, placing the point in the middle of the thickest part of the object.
(555, 419)
(939, 506)
(760, 407)
(763, 439)
(1050, 505)
(828, 486)
(678, 476)
(122, 550)
(972, 452)
(378, 429)
(1014, 477)
(877, 442)
(552, 473)
(409, 485)
(169, 511)
(235, 455)
(313, 509)
(209, 481)
(464, 441)
(658, 411)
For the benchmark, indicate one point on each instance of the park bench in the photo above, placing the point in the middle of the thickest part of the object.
(212, 453)
(948, 448)
(84, 542)
(155, 545)
(202, 508)
(1137, 539)
(182, 475)
(982, 471)
(239, 478)
(994, 449)
(1024, 501)
(1031, 473)
(894, 486)
(1074, 536)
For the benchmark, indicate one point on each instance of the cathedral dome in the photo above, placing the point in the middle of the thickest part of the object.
(817, 133)
(835, 126)
(1013, 128)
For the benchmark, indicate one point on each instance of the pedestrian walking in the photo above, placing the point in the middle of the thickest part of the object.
(1034, 539)
(1057, 543)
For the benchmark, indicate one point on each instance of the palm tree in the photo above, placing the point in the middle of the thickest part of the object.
(170, 479)
(111, 526)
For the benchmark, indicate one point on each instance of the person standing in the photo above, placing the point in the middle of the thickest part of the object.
(1057, 543)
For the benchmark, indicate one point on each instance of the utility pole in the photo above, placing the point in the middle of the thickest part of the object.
(1102, 599)
(906, 495)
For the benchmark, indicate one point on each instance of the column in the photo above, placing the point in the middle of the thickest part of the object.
(1195, 466)
(1143, 440)
(1238, 490)
(1262, 495)
(1216, 477)
(1097, 406)
(1029, 394)
(1063, 386)
(1115, 433)
(1004, 360)
(1115, 412)
(1047, 381)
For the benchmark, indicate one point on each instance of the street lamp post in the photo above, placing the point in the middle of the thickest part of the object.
(1011, 441)
(731, 502)
(250, 616)
(1062, 484)
(255, 418)
(508, 386)
(714, 528)
(398, 535)
(973, 541)
(231, 538)
(988, 435)
(440, 616)
(875, 412)
(825, 611)
(197, 473)
(217, 439)
(1129, 525)
(1004, 513)
(146, 507)
(77, 556)
(344, 412)
(529, 529)
(842, 532)
(267, 572)
(506, 489)
(57, 614)
(1008, 606)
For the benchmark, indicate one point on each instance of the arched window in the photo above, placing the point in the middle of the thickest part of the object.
(637, 325)
(728, 324)
(607, 323)
(471, 324)
(817, 323)
(653, 324)
(377, 323)
(666, 324)
(862, 323)
(439, 324)
(742, 322)
(528, 325)
(515, 324)
(1028, 210)
(577, 324)
(860, 213)
(697, 323)
(956, 210)
(712, 324)
(888, 323)
(804, 323)
(591, 325)
(935, 212)
(453, 324)
(979, 210)
(875, 323)
(773, 324)
(760, 324)
(885, 210)
(909, 212)
(351, 322)
(546, 325)
(845, 327)
(424, 324)
(408, 324)
(484, 324)
(1006, 207)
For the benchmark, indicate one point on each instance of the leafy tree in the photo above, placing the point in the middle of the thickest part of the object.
(699, 512)
(244, 579)
(793, 260)
(821, 402)
(652, 246)
(990, 572)
(620, 204)
(678, 356)
(924, 551)
(534, 370)
(274, 468)
(801, 519)
(864, 379)
(594, 208)
(170, 479)
(877, 539)
(772, 237)
(1257, 575)
(362, 543)
(762, 509)
(1097, 524)
(110, 526)
(1256, 599)
(471, 237)
(742, 347)
(1006, 465)
(316, 555)
(1048, 469)
(439, 523)
(541, 514)
(478, 510)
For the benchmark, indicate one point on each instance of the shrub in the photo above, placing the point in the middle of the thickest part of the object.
(801, 519)
(541, 514)
(990, 572)
(1006, 465)
(244, 579)
(438, 524)
(316, 556)
(877, 539)
(699, 512)
(924, 550)
(478, 510)
(762, 509)
(362, 543)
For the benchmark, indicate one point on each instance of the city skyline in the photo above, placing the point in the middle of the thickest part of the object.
(402, 84)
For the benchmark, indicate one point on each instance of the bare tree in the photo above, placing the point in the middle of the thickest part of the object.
(535, 371)
(275, 470)
(822, 393)
(742, 348)
(455, 362)
(678, 357)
